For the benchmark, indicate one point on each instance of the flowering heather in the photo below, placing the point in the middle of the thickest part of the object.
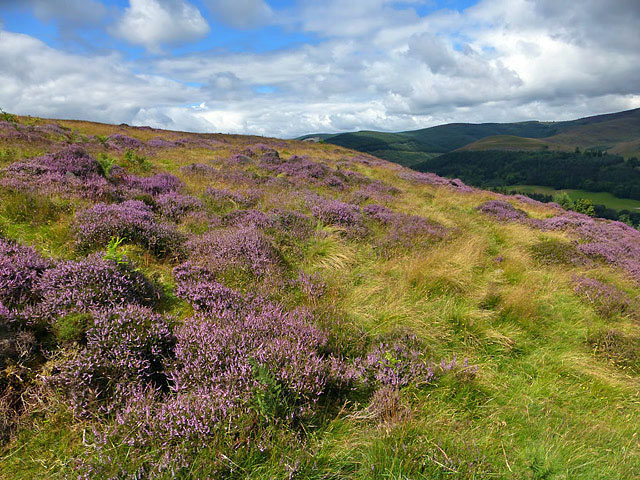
(68, 172)
(313, 286)
(132, 220)
(335, 212)
(160, 143)
(292, 223)
(174, 206)
(153, 185)
(90, 284)
(400, 363)
(126, 347)
(503, 211)
(606, 299)
(223, 198)
(300, 168)
(433, 179)
(227, 353)
(260, 150)
(404, 227)
(20, 271)
(614, 242)
(244, 248)
(196, 285)
(124, 142)
(248, 218)
(375, 190)
(262, 365)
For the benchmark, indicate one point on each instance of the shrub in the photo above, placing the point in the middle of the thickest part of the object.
(503, 211)
(160, 183)
(244, 248)
(174, 205)
(606, 299)
(68, 172)
(335, 212)
(90, 284)
(404, 228)
(120, 141)
(132, 220)
(248, 218)
(292, 223)
(20, 271)
(223, 199)
(126, 347)
(198, 286)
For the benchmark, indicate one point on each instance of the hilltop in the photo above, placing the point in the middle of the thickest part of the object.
(178, 305)
(617, 133)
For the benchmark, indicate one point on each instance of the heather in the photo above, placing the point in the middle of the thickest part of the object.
(132, 220)
(178, 305)
(244, 248)
(606, 299)
(90, 284)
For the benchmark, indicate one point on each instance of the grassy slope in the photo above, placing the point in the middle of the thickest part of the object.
(541, 406)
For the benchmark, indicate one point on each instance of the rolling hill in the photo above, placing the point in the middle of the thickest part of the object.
(179, 305)
(617, 132)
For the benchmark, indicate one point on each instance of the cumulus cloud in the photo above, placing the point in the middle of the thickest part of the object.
(152, 23)
(39, 80)
(241, 13)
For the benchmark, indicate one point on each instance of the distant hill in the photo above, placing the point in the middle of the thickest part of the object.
(616, 132)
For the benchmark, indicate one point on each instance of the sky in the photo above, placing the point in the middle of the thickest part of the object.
(285, 68)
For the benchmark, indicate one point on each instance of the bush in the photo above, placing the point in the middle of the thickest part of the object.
(245, 249)
(132, 220)
(174, 206)
(92, 284)
(20, 271)
(126, 347)
(335, 212)
(606, 299)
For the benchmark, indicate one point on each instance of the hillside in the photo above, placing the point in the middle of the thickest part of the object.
(178, 305)
(616, 132)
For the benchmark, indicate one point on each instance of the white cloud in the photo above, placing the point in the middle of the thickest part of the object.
(152, 23)
(242, 13)
(377, 66)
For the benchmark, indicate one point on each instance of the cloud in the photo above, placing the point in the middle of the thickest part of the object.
(69, 12)
(153, 23)
(241, 13)
(385, 68)
(38, 80)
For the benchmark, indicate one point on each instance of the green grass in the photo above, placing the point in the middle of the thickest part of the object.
(602, 198)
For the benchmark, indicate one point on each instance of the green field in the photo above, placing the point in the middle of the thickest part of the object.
(601, 198)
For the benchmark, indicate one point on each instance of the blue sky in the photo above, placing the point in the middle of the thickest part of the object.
(288, 67)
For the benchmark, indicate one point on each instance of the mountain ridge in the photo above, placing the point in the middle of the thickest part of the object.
(616, 131)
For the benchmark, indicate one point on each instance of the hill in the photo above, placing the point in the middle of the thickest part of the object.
(178, 305)
(616, 132)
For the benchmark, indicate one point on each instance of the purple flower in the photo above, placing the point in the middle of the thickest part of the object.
(132, 220)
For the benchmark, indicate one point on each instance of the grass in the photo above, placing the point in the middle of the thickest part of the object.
(602, 198)
(543, 405)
